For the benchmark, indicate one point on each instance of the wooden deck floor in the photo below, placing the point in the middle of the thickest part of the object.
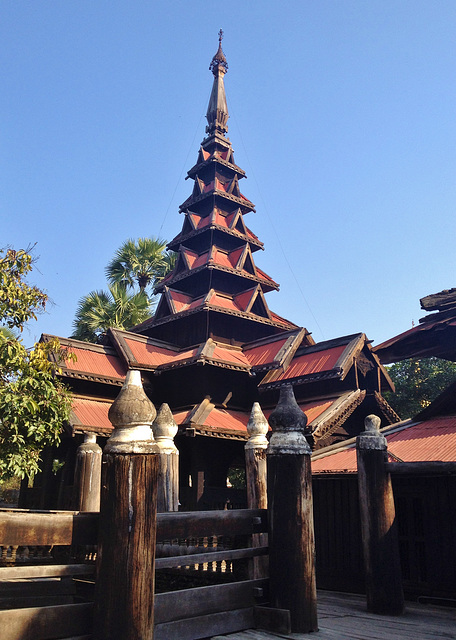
(344, 617)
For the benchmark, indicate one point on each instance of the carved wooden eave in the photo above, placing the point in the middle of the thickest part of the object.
(267, 284)
(226, 434)
(250, 237)
(215, 160)
(207, 306)
(184, 268)
(332, 374)
(332, 418)
(434, 336)
(386, 409)
(443, 301)
(241, 200)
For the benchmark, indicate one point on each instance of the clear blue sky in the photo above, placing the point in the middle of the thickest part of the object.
(342, 114)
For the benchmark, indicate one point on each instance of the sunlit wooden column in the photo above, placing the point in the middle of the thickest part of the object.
(124, 598)
(87, 475)
(164, 429)
(256, 479)
(378, 525)
(291, 530)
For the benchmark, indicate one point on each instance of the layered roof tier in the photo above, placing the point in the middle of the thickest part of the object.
(215, 290)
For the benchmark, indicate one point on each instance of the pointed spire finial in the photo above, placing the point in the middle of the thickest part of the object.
(219, 60)
(217, 111)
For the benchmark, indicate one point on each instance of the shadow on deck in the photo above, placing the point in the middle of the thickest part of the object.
(344, 617)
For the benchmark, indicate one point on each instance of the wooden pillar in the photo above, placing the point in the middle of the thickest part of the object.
(255, 475)
(255, 459)
(87, 475)
(165, 429)
(124, 597)
(378, 526)
(291, 532)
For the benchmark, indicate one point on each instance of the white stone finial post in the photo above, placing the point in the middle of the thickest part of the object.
(165, 429)
(257, 428)
(132, 415)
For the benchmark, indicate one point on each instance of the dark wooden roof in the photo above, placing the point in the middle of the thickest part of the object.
(434, 336)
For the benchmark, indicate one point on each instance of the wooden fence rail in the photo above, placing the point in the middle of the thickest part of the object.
(24, 527)
(196, 614)
(127, 530)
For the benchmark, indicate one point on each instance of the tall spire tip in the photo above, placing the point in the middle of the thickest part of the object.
(219, 60)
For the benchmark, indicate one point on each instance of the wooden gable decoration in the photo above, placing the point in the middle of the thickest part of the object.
(236, 222)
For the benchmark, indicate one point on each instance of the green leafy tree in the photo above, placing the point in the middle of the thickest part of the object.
(140, 262)
(418, 382)
(137, 265)
(100, 310)
(34, 404)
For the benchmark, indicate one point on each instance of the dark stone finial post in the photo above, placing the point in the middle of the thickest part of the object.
(378, 526)
(256, 479)
(87, 475)
(291, 531)
(124, 598)
(164, 429)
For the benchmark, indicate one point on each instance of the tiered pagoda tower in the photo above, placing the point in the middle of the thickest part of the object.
(214, 347)
(216, 290)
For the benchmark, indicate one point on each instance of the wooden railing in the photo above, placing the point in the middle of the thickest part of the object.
(41, 605)
(228, 546)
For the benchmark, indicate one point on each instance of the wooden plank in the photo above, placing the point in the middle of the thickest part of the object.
(36, 587)
(212, 556)
(28, 528)
(31, 601)
(421, 468)
(270, 619)
(24, 527)
(204, 626)
(46, 623)
(46, 571)
(197, 524)
(200, 601)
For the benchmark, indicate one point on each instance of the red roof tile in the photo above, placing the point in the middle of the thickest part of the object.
(264, 353)
(313, 410)
(310, 363)
(276, 318)
(432, 440)
(96, 362)
(152, 355)
(243, 299)
(230, 355)
(90, 413)
(181, 417)
(227, 419)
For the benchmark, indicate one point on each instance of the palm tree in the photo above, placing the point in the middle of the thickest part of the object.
(139, 262)
(100, 310)
(169, 262)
